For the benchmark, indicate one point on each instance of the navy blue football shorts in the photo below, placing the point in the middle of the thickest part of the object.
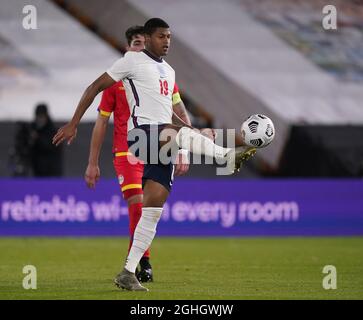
(153, 168)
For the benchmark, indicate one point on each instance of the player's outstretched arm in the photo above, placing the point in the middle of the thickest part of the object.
(179, 121)
(180, 110)
(92, 173)
(208, 132)
(68, 132)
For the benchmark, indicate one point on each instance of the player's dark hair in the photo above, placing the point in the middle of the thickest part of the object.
(132, 32)
(152, 24)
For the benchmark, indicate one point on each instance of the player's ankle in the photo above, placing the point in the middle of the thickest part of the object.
(128, 271)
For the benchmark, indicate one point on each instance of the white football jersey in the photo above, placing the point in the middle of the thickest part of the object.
(149, 84)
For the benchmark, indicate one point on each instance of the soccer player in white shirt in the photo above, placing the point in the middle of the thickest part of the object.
(149, 82)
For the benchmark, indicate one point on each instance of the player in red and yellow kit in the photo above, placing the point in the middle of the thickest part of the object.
(129, 175)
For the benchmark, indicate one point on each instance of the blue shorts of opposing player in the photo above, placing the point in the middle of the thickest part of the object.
(154, 169)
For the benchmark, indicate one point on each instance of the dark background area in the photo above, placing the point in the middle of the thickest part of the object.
(311, 151)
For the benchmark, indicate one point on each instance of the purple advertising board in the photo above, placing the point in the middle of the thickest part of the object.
(65, 207)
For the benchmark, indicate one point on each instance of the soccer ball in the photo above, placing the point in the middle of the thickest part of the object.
(258, 131)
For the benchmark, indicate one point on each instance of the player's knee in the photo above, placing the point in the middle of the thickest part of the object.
(153, 202)
(155, 199)
(155, 194)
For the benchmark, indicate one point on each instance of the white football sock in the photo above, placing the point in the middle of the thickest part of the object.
(197, 143)
(143, 236)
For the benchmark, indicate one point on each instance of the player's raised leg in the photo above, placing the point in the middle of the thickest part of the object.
(194, 141)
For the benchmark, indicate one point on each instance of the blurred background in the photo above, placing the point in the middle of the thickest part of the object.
(238, 58)
(232, 58)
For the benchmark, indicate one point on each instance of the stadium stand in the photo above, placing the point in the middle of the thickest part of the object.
(53, 63)
(250, 68)
(269, 57)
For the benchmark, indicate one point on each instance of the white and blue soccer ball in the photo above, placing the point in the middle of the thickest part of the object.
(258, 131)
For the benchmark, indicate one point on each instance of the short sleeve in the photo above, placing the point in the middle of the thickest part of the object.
(176, 88)
(123, 67)
(176, 96)
(108, 101)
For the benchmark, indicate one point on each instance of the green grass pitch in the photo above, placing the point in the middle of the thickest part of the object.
(185, 268)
